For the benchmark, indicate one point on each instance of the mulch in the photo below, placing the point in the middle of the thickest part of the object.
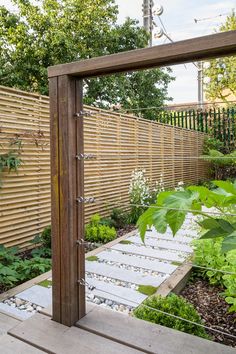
(212, 308)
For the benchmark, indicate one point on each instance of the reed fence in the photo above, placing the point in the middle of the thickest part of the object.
(120, 142)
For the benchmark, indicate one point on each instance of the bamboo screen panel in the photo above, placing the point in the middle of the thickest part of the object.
(121, 143)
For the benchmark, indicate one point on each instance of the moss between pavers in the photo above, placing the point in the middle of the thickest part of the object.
(92, 258)
(125, 242)
(147, 289)
(45, 283)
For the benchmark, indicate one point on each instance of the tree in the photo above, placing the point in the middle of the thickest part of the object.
(222, 71)
(50, 32)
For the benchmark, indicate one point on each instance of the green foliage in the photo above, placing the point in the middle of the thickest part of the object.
(43, 244)
(50, 32)
(172, 207)
(119, 218)
(95, 232)
(223, 165)
(147, 289)
(14, 270)
(207, 253)
(92, 258)
(174, 305)
(11, 161)
(211, 143)
(222, 71)
(47, 237)
(139, 194)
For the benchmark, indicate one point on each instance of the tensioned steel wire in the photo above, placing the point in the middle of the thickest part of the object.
(160, 259)
(91, 287)
(146, 206)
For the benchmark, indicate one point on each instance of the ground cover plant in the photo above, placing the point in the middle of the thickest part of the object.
(14, 269)
(175, 305)
(96, 232)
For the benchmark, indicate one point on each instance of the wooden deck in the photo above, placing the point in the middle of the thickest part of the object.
(101, 331)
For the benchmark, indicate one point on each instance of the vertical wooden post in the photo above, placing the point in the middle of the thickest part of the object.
(67, 185)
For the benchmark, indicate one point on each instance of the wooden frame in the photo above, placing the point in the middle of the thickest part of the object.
(67, 141)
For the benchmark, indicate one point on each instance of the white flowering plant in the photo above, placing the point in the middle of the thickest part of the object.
(139, 194)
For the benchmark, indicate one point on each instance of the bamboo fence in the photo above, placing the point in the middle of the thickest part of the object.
(121, 144)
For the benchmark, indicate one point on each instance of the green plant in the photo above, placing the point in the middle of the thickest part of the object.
(43, 244)
(95, 232)
(139, 194)
(172, 208)
(46, 237)
(14, 270)
(174, 305)
(223, 165)
(119, 218)
(211, 143)
(229, 280)
(31, 268)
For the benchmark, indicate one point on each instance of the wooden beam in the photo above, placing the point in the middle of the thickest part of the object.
(67, 185)
(215, 45)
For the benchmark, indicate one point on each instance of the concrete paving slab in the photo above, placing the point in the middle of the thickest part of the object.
(37, 294)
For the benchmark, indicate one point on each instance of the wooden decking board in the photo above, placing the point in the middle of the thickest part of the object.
(55, 338)
(147, 337)
(162, 243)
(11, 345)
(120, 294)
(150, 252)
(137, 262)
(122, 274)
(6, 322)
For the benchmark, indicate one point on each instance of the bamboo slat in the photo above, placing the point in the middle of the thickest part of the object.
(120, 142)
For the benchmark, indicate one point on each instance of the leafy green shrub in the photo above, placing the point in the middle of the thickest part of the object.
(31, 268)
(119, 218)
(211, 143)
(43, 244)
(223, 166)
(46, 237)
(174, 305)
(96, 232)
(207, 253)
(14, 270)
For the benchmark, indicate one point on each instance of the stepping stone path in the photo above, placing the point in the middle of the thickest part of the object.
(114, 276)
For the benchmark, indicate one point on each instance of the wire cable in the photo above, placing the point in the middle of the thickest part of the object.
(160, 311)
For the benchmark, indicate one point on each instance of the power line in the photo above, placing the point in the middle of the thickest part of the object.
(211, 18)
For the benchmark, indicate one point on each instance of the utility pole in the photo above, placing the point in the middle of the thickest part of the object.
(148, 18)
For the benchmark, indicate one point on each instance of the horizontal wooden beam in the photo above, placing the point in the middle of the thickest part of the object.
(212, 46)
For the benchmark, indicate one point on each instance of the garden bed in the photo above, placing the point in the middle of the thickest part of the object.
(212, 308)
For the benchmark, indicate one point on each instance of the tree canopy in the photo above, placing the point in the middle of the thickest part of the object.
(222, 71)
(49, 32)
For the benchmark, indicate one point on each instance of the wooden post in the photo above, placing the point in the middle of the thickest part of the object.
(67, 185)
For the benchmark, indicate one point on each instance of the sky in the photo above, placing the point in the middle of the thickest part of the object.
(178, 18)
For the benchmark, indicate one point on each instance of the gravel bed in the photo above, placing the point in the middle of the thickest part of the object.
(111, 281)
(133, 268)
(212, 308)
(109, 304)
(22, 305)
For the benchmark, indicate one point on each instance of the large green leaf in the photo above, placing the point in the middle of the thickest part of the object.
(159, 220)
(229, 242)
(209, 223)
(214, 233)
(144, 221)
(175, 219)
(228, 187)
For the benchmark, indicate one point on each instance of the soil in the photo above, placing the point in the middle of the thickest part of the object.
(212, 308)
